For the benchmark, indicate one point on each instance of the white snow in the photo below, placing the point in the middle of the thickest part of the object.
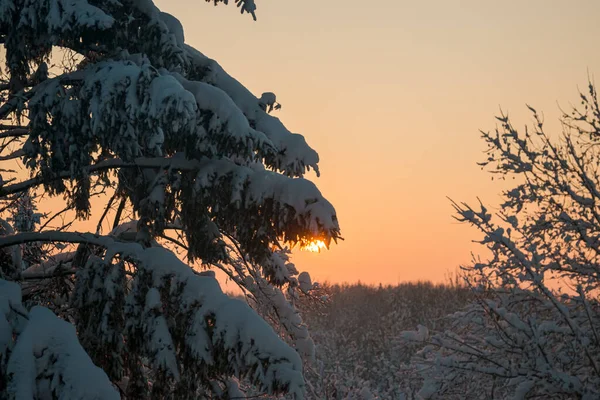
(305, 282)
(174, 27)
(226, 113)
(48, 267)
(420, 335)
(50, 344)
(62, 15)
(237, 329)
(297, 155)
(311, 208)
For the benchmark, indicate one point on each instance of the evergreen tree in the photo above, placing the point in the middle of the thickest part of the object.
(189, 160)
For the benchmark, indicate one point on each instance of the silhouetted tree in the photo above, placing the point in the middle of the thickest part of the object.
(176, 153)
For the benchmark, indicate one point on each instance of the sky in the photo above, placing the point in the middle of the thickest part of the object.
(392, 94)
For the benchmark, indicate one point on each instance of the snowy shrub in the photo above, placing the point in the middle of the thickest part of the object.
(533, 331)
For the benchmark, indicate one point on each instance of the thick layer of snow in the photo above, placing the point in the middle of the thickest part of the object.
(49, 266)
(10, 300)
(237, 329)
(174, 27)
(305, 282)
(47, 357)
(296, 154)
(56, 16)
(255, 187)
(420, 335)
(132, 109)
(227, 119)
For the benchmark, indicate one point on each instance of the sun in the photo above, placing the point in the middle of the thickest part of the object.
(315, 246)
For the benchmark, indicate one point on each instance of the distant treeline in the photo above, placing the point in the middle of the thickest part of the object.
(357, 329)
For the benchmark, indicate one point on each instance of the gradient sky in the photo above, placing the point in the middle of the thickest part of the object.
(392, 93)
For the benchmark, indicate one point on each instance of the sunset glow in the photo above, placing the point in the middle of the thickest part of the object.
(315, 246)
(361, 200)
(391, 151)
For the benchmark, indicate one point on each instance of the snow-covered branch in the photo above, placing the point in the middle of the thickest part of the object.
(524, 338)
(138, 114)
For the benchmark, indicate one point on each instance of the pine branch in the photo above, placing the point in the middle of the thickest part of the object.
(55, 236)
(178, 163)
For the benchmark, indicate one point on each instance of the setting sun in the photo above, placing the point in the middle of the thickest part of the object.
(315, 246)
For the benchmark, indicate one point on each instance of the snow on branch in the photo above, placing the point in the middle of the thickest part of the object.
(33, 27)
(296, 155)
(255, 187)
(533, 331)
(196, 318)
(44, 343)
(181, 143)
(279, 206)
(219, 327)
(128, 109)
(227, 122)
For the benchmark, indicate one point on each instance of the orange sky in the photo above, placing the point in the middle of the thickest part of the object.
(391, 93)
